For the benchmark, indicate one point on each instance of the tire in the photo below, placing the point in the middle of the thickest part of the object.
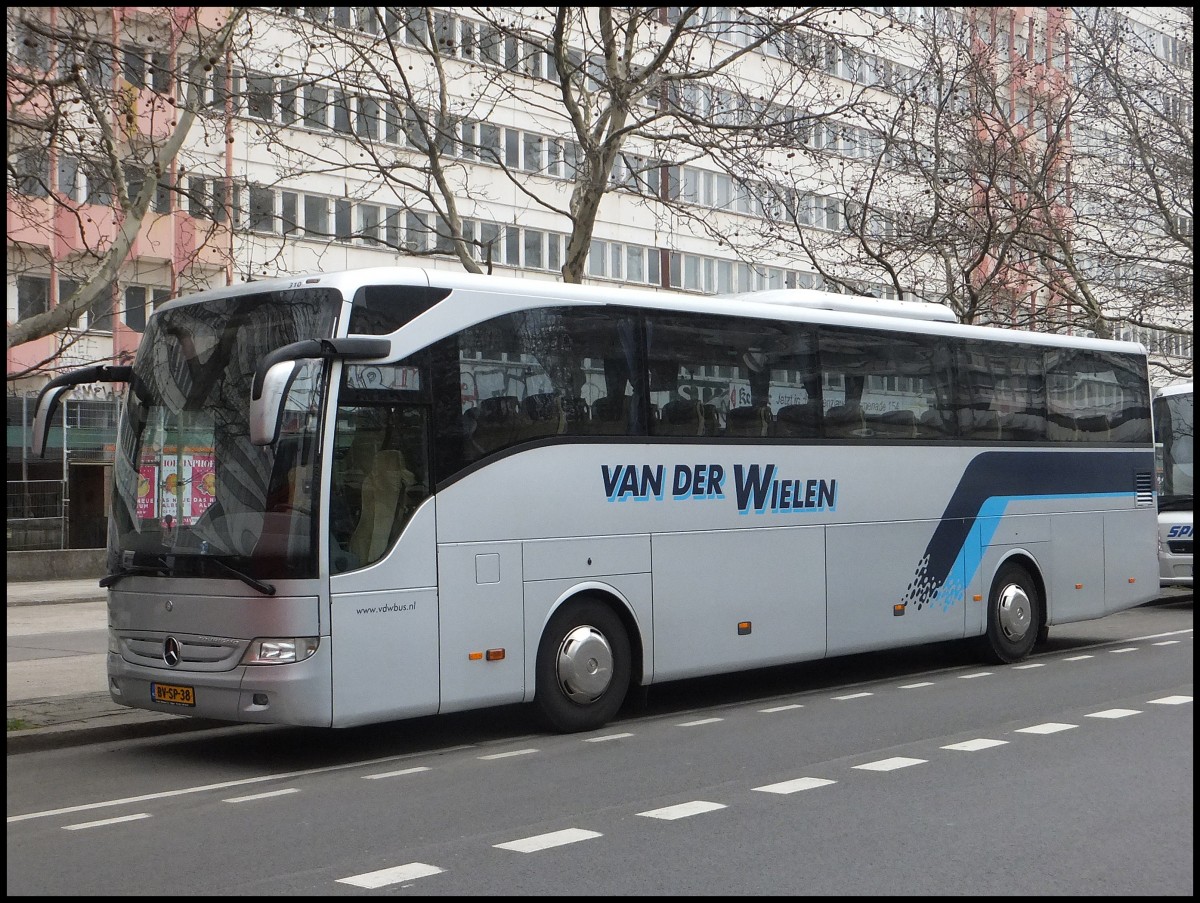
(1014, 616)
(583, 667)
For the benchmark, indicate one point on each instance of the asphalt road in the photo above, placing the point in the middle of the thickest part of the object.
(899, 773)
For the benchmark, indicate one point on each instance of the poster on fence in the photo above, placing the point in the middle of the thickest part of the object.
(147, 492)
(168, 476)
(201, 486)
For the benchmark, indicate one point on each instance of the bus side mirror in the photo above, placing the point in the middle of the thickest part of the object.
(47, 404)
(266, 410)
(278, 368)
(52, 392)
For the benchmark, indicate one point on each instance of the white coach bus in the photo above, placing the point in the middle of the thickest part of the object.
(364, 496)
(1174, 431)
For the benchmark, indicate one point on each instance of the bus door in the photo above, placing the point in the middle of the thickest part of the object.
(382, 549)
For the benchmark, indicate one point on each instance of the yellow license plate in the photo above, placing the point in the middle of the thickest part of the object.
(172, 694)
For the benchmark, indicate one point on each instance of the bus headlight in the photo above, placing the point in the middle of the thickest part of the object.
(280, 650)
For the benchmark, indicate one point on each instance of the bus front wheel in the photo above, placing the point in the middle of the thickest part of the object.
(1014, 617)
(583, 667)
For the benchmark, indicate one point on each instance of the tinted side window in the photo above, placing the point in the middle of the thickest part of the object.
(884, 386)
(1002, 392)
(1097, 396)
(380, 309)
(734, 378)
(538, 374)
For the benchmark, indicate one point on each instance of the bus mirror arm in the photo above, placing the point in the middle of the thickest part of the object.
(52, 392)
(278, 368)
(350, 348)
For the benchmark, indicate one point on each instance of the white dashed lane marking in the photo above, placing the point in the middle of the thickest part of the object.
(106, 821)
(795, 785)
(975, 745)
(782, 708)
(683, 810)
(853, 696)
(509, 755)
(701, 721)
(1113, 713)
(607, 737)
(395, 875)
(1050, 727)
(924, 683)
(976, 674)
(1171, 700)
(547, 841)
(395, 774)
(891, 764)
(261, 796)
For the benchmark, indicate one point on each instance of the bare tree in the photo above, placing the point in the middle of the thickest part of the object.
(622, 98)
(76, 118)
(1045, 185)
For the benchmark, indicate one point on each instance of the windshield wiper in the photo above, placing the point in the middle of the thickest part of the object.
(162, 569)
(266, 589)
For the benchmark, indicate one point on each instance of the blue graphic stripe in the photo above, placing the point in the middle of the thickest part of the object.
(988, 485)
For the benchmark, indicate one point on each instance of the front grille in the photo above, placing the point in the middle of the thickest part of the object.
(1143, 485)
(1180, 546)
(196, 653)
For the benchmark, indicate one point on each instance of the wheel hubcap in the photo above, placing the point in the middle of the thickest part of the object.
(585, 665)
(1014, 612)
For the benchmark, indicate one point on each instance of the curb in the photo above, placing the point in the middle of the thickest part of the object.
(58, 600)
(61, 736)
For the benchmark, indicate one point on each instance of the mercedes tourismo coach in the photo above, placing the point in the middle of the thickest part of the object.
(363, 496)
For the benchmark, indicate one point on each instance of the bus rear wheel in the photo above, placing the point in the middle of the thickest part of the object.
(1014, 617)
(583, 667)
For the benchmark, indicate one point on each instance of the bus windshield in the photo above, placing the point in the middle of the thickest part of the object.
(193, 496)
(1173, 436)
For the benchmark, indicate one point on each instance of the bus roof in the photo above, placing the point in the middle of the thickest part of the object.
(1176, 389)
(805, 305)
(810, 298)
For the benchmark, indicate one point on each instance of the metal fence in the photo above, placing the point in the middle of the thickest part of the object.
(35, 514)
(83, 431)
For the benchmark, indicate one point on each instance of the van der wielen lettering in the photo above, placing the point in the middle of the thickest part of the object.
(757, 488)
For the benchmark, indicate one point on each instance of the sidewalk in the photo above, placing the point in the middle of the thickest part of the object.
(56, 684)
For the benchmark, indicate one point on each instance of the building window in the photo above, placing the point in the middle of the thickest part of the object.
(512, 246)
(367, 122)
(391, 227)
(368, 223)
(135, 308)
(262, 209)
(534, 248)
(416, 225)
(197, 197)
(260, 97)
(342, 226)
(316, 103)
(316, 216)
(134, 68)
(160, 72)
(100, 312)
(68, 176)
(32, 173)
(33, 296)
(290, 210)
(341, 113)
(287, 103)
